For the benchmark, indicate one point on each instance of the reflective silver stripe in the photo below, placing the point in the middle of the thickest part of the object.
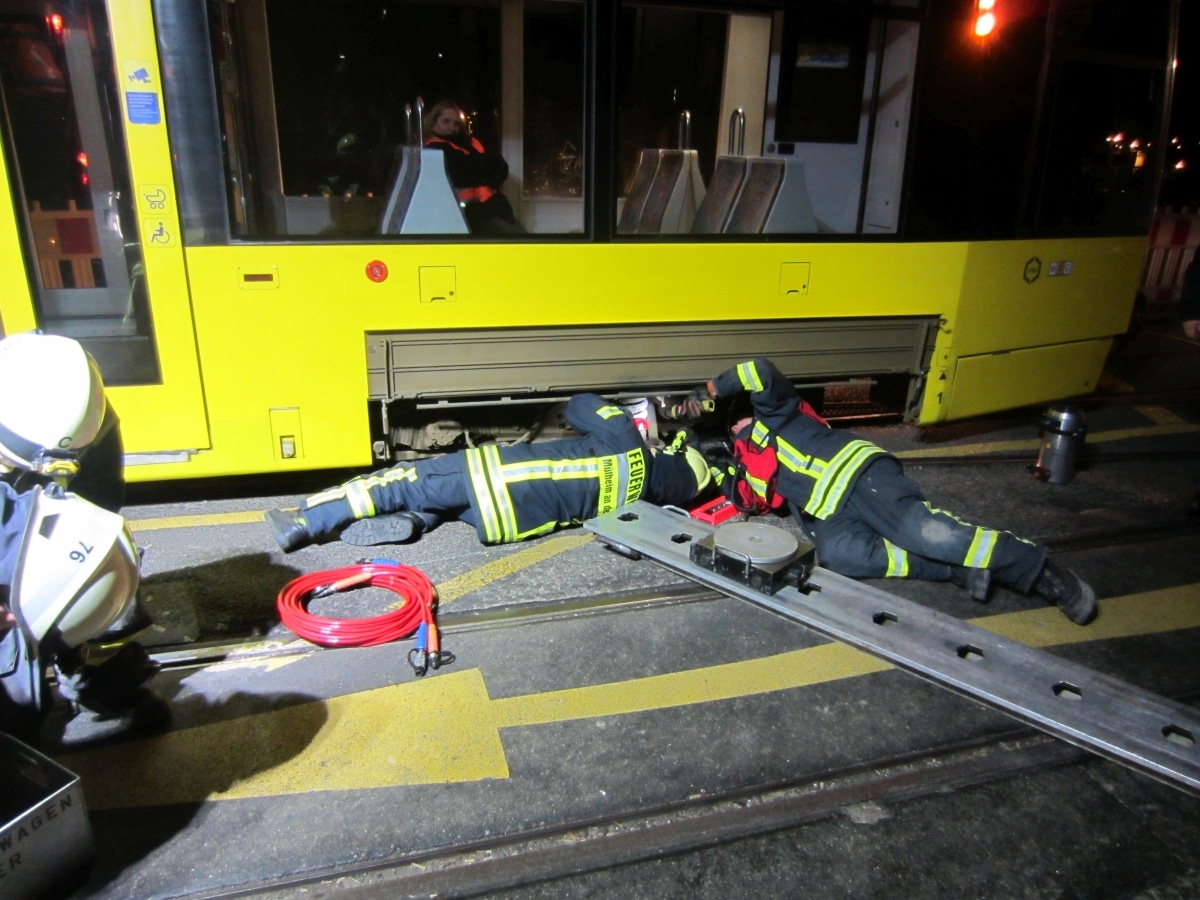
(831, 486)
(758, 485)
(795, 460)
(760, 433)
(358, 495)
(500, 495)
(897, 560)
(482, 489)
(748, 375)
(329, 496)
(549, 468)
(979, 556)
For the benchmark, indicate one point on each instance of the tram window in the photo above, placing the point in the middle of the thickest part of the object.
(669, 62)
(553, 110)
(1098, 174)
(1020, 137)
(70, 179)
(314, 137)
(785, 109)
(821, 77)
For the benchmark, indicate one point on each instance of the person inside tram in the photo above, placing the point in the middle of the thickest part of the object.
(865, 517)
(476, 172)
(508, 493)
(58, 431)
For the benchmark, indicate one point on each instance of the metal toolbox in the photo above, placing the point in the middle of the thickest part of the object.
(45, 834)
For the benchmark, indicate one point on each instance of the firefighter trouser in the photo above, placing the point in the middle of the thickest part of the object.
(887, 529)
(439, 486)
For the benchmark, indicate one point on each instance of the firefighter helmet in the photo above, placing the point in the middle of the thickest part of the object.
(77, 571)
(51, 403)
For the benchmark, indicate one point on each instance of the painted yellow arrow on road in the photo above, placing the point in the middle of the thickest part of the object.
(448, 729)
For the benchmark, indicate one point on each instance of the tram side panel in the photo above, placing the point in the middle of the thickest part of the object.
(283, 330)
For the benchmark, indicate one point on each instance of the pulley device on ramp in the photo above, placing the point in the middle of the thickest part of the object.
(767, 565)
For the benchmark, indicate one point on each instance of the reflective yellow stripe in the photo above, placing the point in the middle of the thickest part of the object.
(607, 412)
(897, 560)
(329, 496)
(500, 495)
(748, 375)
(831, 486)
(795, 460)
(482, 489)
(358, 495)
(636, 483)
(609, 483)
(760, 433)
(980, 554)
(553, 469)
(758, 485)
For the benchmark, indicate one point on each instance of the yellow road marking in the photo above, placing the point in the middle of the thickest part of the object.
(233, 518)
(450, 590)
(432, 731)
(1178, 426)
(515, 562)
(1161, 416)
(447, 729)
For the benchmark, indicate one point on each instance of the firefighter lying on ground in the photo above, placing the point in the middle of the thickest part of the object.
(866, 519)
(508, 493)
(58, 430)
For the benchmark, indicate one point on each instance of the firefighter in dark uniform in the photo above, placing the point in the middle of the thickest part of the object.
(866, 519)
(508, 493)
(475, 172)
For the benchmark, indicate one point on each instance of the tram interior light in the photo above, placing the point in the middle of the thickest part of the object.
(55, 21)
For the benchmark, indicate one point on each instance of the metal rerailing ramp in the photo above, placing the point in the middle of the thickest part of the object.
(1094, 711)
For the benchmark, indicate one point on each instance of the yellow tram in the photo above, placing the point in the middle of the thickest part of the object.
(229, 205)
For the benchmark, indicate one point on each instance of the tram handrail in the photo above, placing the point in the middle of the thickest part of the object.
(737, 126)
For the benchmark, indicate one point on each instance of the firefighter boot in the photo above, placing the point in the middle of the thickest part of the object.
(1067, 591)
(391, 528)
(289, 529)
(978, 582)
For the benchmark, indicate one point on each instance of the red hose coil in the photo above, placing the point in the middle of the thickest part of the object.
(414, 588)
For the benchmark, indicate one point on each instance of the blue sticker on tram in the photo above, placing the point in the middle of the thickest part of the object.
(143, 107)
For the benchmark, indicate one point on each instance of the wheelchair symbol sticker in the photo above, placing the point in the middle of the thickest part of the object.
(155, 233)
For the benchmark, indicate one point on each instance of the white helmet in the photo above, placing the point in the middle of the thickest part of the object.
(51, 403)
(77, 571)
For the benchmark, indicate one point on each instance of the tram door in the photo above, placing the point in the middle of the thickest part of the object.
(98, 236)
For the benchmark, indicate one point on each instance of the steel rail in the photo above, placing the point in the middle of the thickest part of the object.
(478, 867)
(177, 656)
(1105, 715)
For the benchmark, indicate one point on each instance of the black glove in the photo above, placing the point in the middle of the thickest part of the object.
(693, 406)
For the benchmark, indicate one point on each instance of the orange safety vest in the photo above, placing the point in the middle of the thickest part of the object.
(479, 194)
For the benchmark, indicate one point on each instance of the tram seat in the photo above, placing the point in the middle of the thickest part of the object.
(420, 198)
(756, 195)
(723, 190)
(666, 191)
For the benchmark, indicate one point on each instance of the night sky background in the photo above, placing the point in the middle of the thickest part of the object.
(1181, 186)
